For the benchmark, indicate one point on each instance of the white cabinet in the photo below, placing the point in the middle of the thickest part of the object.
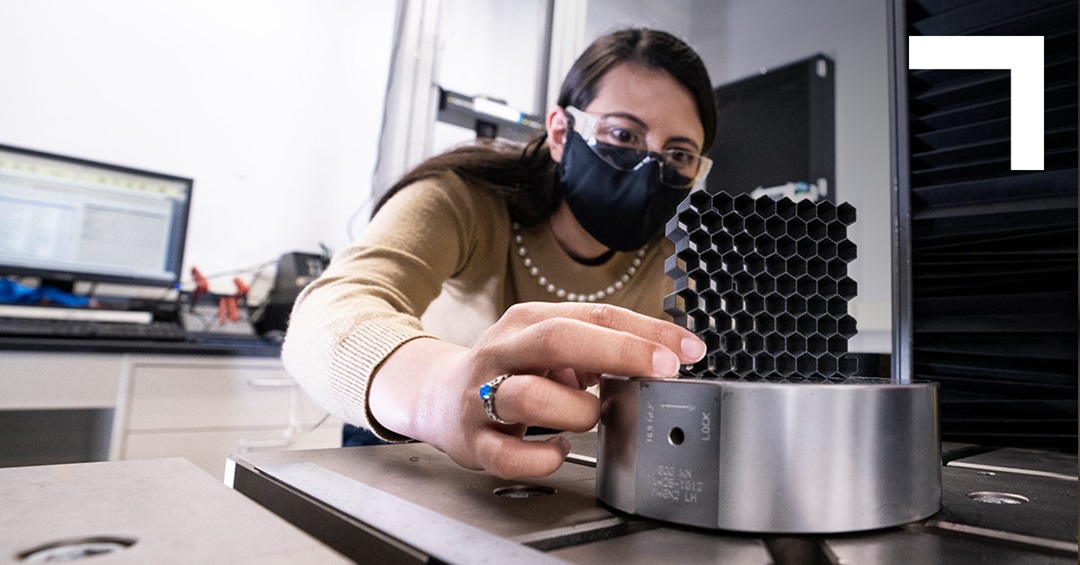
(200, 407)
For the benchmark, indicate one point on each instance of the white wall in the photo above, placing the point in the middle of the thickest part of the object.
(739, 37)
(272, 106)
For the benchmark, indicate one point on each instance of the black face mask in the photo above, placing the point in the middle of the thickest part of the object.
(621, 209)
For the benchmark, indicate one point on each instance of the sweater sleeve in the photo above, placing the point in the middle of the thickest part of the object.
(369, 300)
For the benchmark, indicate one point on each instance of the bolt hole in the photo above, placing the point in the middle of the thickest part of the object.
(524, 491)
(75, 549)
(676, 436)
(997, 497)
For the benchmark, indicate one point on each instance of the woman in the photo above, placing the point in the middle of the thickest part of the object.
(537, 271)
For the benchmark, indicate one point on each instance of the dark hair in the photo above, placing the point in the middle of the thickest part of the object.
(525, 178)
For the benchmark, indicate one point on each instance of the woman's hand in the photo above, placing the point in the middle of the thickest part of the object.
(428, 389)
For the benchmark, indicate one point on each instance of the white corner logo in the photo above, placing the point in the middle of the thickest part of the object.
(1021, 55)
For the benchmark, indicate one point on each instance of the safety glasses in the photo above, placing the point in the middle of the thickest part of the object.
(620, 142)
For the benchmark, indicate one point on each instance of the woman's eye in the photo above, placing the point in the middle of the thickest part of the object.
(680, 156)
(622, 136)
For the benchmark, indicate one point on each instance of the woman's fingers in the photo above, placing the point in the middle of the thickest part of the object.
(538, 401)
(680, 341)
(510, 457)
(586, 347)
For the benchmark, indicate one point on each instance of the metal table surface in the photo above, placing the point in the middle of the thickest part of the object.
(411, 504)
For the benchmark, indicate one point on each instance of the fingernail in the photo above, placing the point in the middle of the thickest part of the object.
(693, 348)
(665, 363)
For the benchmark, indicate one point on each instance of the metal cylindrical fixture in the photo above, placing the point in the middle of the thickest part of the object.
(774, 457)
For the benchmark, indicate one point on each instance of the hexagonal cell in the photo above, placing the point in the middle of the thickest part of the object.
(733, 223)
(744, 204)
(764, 364)
(764, 284)
(796, 266)
(827, 366)
(744, 243)
(815, 229)
(848, 365)
(826, 249)
(786, 285)
(826, 287)
(846, 288)
(700, 201)
(806, 325)
(837, 268)
(796, 344)
(744, 283)
(754, 303)
(817, 306)
(732, 262)
(775, 226)
(796, 305)
(689, 222)
(764, 207)
(817, 267)
(796, 228)
(775, 343)
(785, 246)
(837, 231)
(837, 306)
(827, 326)
(806, 365)
(786, 364)
(807, 286)
(775, 304)
(732, 302)
(816, 345)
(744, 323)
(697, 281)
(754, 264)
(680, 302)
(710, 301)
(764, 324)
(846, 326)
(697, 320)
(838, 344)
(807, 248)
(711, 261)
(711, 221)
(720, 282)
(754, 225)
(826, 211)
(731, 342)
(846, 250)
(721, 241)
(721, 322)
(785, 324)
(743, 363)
(775, 265)
(753, 343)
(765, 245)
(806, 210)
(845, 213)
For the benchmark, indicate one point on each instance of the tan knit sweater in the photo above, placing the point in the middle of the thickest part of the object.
(440, 259)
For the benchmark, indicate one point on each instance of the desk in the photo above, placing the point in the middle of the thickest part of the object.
(353, 499)
(81, 403)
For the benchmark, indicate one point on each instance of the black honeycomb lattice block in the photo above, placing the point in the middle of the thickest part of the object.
(765, 284)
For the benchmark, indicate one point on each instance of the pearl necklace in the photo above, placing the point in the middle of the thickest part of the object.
(549, 286)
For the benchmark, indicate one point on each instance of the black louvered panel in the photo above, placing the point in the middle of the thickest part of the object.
(993, 273)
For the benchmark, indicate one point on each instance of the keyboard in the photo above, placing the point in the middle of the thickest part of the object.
(91, 329)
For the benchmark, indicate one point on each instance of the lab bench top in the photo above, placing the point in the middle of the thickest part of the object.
(409, 503)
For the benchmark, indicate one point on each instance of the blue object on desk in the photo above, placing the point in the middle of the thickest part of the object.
(12, 292)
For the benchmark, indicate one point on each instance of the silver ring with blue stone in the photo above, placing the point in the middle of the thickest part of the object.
(487, 396)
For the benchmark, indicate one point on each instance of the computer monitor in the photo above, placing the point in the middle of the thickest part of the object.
(64, 220)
